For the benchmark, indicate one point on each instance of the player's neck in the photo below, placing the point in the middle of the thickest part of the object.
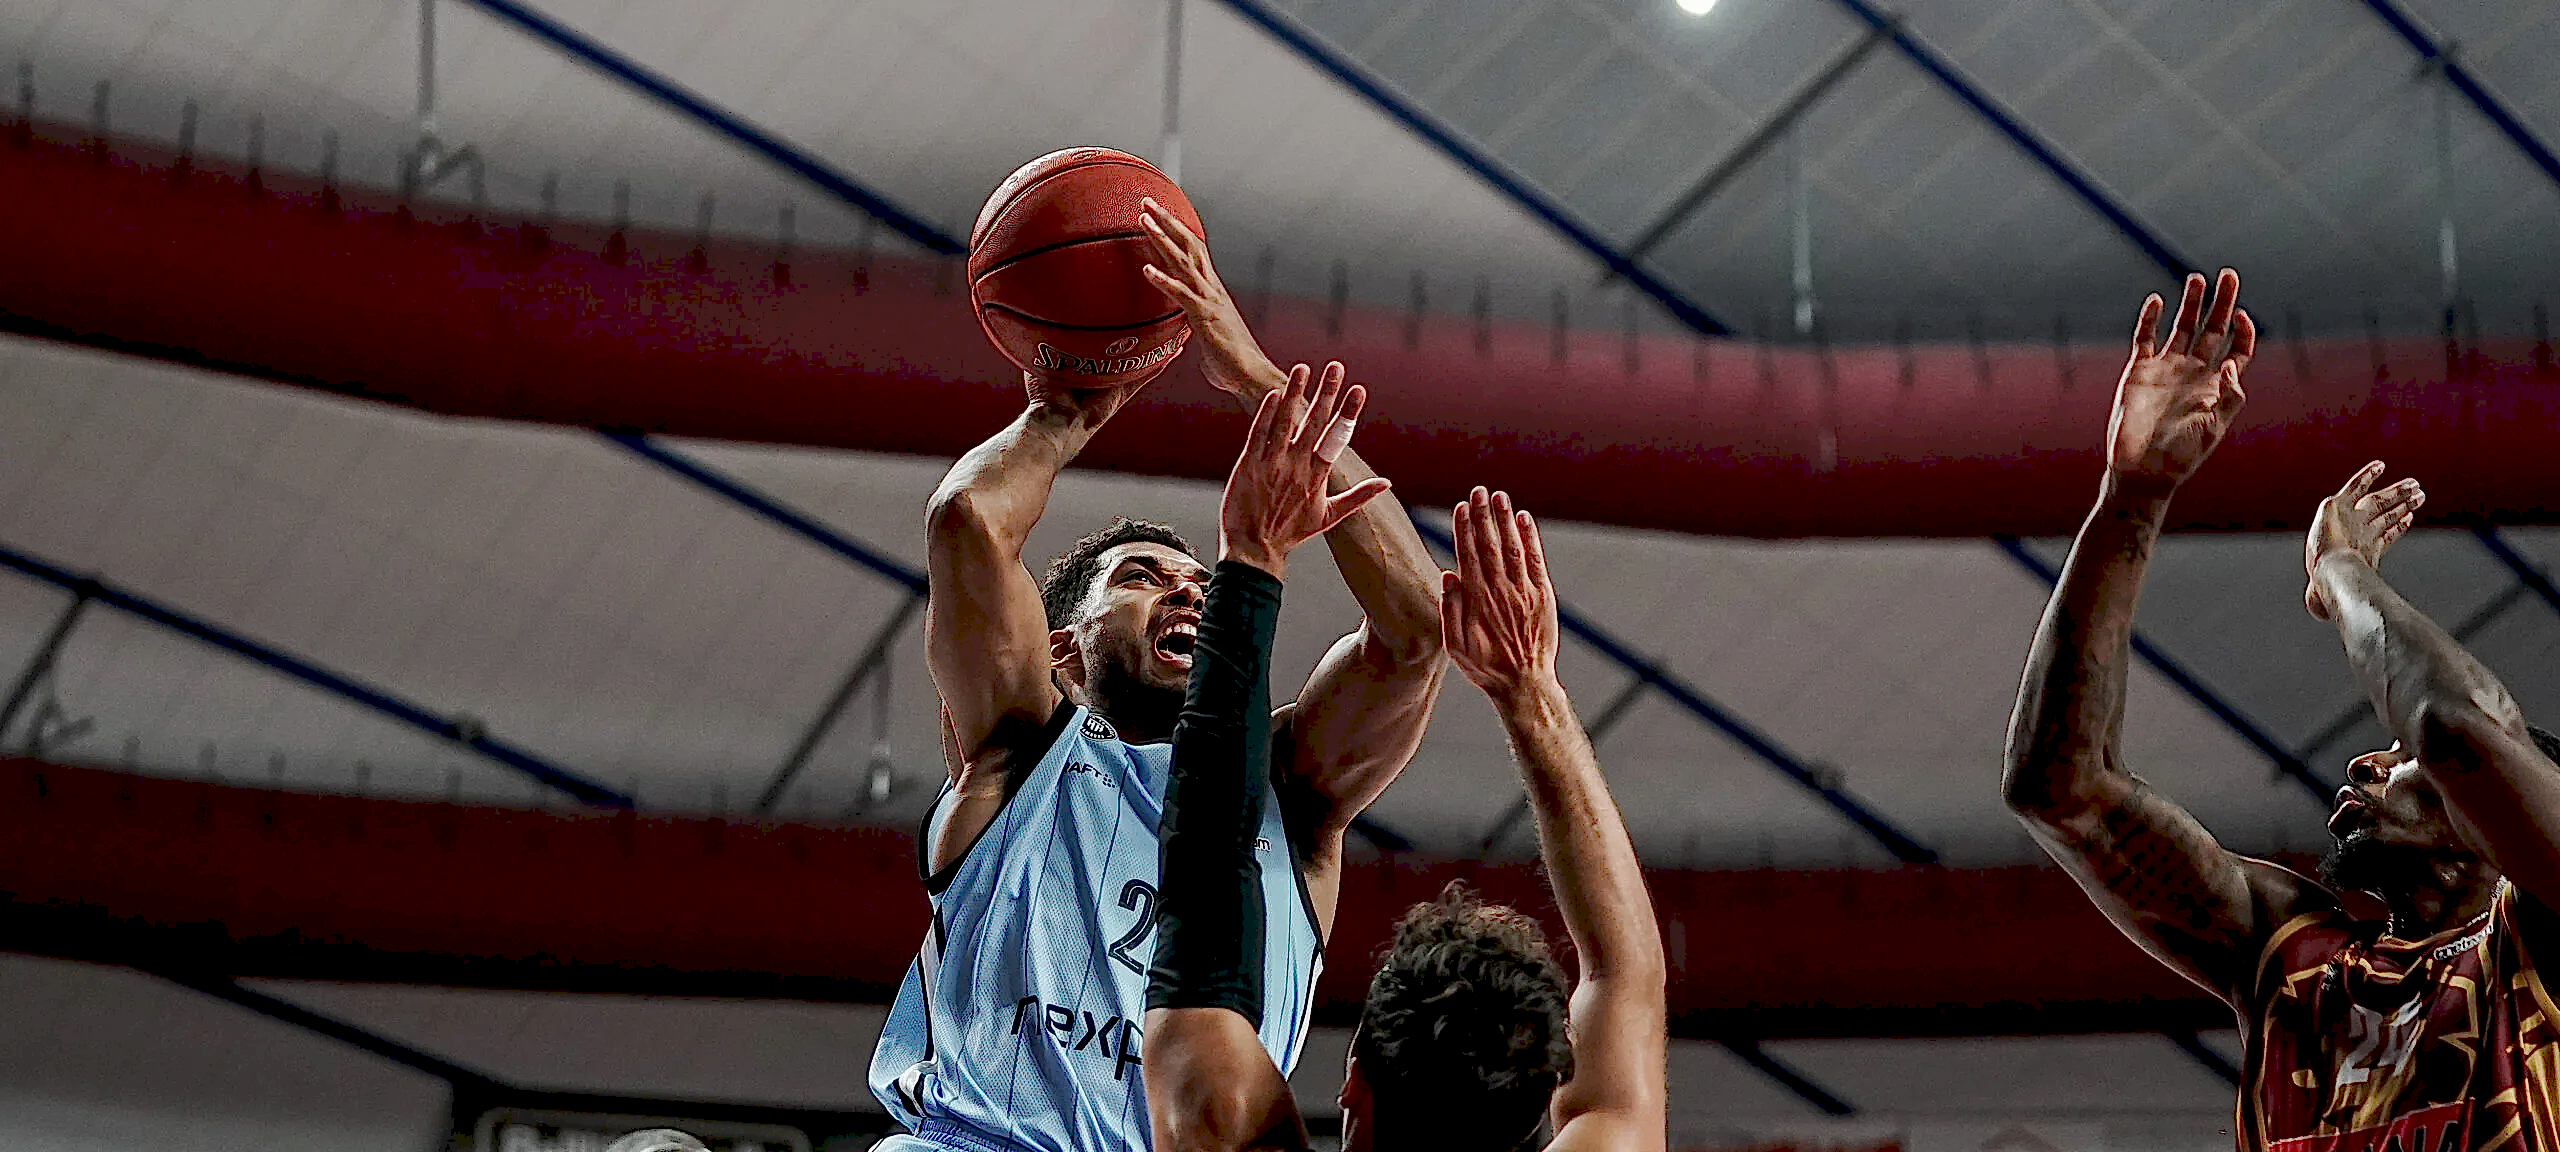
(2459, 892)
(1141, 713)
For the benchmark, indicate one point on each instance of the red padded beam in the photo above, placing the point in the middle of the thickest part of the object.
(109, 864)
(881, 355)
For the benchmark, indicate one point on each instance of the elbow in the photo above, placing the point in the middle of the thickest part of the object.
(1407, 647)
(959, 515)
(2037, 787)
(2462, 731)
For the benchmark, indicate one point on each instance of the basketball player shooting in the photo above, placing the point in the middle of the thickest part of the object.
(1020, 1024)
(1464, 1041)
(2430, 1029)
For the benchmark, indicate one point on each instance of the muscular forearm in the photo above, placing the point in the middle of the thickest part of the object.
(2071, 700)
(1582, 839)
(2438, 701)
(1003, 484)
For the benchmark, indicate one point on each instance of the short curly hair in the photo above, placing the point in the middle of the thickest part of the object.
(1463, 1038)
(1070, 576)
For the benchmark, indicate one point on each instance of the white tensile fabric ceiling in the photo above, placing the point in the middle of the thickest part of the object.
(2295, 139)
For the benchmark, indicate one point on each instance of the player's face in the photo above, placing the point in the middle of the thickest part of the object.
(2388, 822)
(1145, 615)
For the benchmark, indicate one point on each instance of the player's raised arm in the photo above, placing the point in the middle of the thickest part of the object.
(2451, 716)
(1498, 614)
(1211, 1085)
(986, 637)
(2148, 864)
(1360, 716)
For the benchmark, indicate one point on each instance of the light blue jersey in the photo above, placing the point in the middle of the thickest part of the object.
(1018, 1026)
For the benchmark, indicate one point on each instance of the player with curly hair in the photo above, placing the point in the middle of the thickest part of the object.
(1468, 1038)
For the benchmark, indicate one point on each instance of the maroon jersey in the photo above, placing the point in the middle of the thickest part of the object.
(2363, 1042)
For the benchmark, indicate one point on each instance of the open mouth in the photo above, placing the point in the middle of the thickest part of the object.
(1177, 640)
(2350, 813)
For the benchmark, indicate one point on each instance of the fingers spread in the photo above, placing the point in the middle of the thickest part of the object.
(2214, 337)
(2182, 331)
(1266, 422)
(2358, 484)
(1318, 417)
(1337, 435)
(2146, 328)
(1339, 508)
(2244, 341)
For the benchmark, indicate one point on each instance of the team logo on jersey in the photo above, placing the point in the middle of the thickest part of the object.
(1099, 728)
(1121, 347)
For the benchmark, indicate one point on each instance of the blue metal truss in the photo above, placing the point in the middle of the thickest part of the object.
(2435, 53)
(1881, 830)
(2231, 716)
(2023, 135)
(722, 121)
(460, 731)
(1351, 74)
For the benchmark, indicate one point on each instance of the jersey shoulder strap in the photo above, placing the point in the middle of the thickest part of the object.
(1025, 748)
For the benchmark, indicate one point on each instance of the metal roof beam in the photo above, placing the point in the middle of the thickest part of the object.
(1731, 165)
(2527, 572)
(2025, 137)
(460, 730)
(1384, 95)
(577, 46)
(2239, 722)
(648, 448)
(2441, 55)
(1881, 830)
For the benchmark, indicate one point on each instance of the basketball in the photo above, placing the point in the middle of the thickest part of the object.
(1054, 269)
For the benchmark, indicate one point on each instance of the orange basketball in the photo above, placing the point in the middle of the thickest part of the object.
(1054, 269)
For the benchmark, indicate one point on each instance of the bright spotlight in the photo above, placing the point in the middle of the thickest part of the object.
(1697, 7)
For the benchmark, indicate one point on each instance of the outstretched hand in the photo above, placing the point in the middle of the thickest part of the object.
(1181, 269)
(2179, 395)
(1275, 497)
(2359, 520)
(1498, 610)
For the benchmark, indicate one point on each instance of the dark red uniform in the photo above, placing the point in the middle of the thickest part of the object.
(2362, 1042)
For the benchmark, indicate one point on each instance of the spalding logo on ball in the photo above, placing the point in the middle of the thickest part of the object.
(1054, 269)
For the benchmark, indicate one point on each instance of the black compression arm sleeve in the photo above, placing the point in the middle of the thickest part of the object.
(1209, 914)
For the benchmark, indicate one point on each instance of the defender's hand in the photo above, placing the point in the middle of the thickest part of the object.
(2360, 521)
(1275, 497)
(1233, 362)
(1087, 406)
(1498, 610)
(2178, 398)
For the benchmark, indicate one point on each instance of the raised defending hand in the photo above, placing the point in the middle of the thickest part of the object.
(1182, 270)
(1498, 610)
(2358, 520)
(2179, 396)
(1275, 497)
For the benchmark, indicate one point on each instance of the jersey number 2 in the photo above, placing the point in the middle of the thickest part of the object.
(1140, 897)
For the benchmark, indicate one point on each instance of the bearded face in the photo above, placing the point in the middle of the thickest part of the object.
(2390, 828)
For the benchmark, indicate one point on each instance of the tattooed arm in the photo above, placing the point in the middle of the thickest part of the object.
(2195, 905)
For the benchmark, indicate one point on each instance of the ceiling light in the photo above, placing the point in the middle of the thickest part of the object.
(1697, 7)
